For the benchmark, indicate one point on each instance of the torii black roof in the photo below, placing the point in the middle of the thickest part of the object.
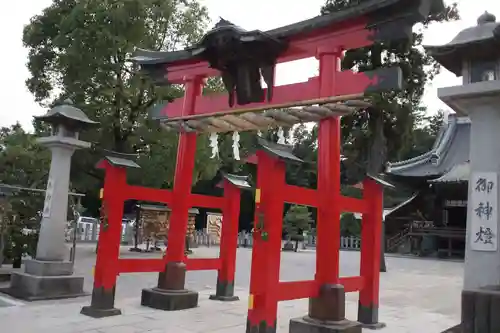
(377, 11)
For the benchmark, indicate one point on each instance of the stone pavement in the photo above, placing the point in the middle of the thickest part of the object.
(417, 296)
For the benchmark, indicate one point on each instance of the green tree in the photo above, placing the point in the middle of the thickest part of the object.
(435, 123)
(296, 221)
(381, 132)
(79, 49)
(304, 142)
(424, 136)
(349, 225)
(22, 161)
(23, 164)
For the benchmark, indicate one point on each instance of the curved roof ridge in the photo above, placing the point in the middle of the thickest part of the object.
(424, 156)
(441, 144)
(441, 149)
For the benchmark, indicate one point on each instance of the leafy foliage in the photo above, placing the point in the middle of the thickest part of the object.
(349, 225)
(423, 137)
(23, 163)
(383, 131)
(304, 147)
(297, 220)
(79, 49)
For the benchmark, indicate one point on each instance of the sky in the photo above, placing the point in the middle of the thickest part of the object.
(18, 104)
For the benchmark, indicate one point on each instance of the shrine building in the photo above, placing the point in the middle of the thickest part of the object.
(433, 220)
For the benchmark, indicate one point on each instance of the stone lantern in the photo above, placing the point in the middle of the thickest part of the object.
(50, 275)
(474, 54)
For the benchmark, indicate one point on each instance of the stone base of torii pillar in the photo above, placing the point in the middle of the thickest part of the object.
(50, 275)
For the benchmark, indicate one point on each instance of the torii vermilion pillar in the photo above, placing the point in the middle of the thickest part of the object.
(170, 293)
(232, 185)
(106, 271)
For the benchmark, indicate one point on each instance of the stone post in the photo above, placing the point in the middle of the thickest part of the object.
(474, 55)
(485, 121)
(50, 274)
(51, 241)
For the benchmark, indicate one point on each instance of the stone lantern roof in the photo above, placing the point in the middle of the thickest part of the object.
(476, 42)
(68, 115)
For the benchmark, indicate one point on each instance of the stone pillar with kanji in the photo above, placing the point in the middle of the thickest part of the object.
(474, 54)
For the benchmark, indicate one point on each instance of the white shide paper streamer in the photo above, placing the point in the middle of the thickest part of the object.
(236, 145)
(214, 144)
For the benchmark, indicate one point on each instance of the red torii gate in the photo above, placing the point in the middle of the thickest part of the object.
(327, 290)
(242, 58)
(109, 265)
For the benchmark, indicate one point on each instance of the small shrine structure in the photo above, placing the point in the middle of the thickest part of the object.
(154, 222)
(433, 218)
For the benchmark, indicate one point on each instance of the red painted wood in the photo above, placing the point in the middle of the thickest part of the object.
(183, 179)
(158, 265)
(148, 194)
(288, 291)
(371, 229)
(309, 197)
(352, 283)
(214, 103)
(274, 207)
(108, 249)
(206, 201)
(352, 83)
(353, 205)
(252, 159)
(258, 273)
(229, 237)
(300, 195)
(141, 265)
(328, 222)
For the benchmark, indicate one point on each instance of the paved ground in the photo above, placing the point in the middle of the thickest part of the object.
(4, 304)
(416, 296)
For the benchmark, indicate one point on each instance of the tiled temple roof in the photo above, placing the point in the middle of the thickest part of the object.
(450, 149)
